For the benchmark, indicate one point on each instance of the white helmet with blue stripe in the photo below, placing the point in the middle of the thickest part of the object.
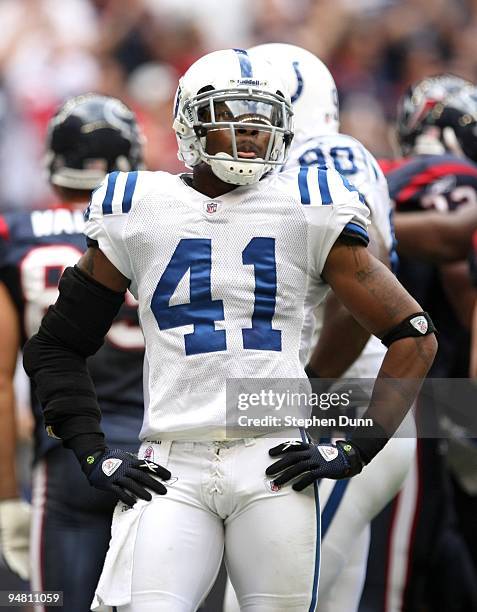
(312, 88)
(227, 90)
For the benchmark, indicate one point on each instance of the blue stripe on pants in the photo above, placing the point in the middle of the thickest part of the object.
(332, 505)
(316, 576)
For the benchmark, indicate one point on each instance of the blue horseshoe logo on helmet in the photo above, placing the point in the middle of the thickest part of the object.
(299, 79)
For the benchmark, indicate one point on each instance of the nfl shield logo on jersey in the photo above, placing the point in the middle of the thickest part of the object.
(149, 453)
(419, 323)
(211, 207)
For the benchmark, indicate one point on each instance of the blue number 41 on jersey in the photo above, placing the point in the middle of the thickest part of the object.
(195, 254)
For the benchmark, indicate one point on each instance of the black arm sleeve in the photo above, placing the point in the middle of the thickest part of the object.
(55, 358)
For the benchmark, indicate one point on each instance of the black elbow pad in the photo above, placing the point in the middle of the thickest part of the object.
(83, 312)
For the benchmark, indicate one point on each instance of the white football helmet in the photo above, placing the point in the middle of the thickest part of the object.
(227, 90)
(311, 87)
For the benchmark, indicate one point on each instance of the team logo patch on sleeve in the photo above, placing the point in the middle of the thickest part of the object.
(420, 323)
(110, 466)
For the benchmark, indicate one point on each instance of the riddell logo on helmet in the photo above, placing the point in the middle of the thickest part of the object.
(255, 82)
(188, 112)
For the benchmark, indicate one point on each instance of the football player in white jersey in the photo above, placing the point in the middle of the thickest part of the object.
(347, 507)
(226, 263)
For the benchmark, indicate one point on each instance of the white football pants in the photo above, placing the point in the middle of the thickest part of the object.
(165, 554)
(348, 507)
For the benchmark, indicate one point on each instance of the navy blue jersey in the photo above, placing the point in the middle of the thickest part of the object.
(35, 248)
(438, 182)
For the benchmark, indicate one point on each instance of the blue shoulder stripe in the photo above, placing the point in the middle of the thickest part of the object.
(323, 185)
(108, 198)
(245, 63)
(129, 191)
(351, 187)
(303, 185)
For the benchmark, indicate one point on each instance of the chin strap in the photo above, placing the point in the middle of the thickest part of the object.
(237, 172)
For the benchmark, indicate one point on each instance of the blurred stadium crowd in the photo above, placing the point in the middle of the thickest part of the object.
(135, 50)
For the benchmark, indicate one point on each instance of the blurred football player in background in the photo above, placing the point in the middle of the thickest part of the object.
(347, 507)
(89, 136)
(419, 553)
(424, 123)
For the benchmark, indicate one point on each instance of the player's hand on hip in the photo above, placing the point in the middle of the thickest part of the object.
(313, 461)
(124, 475)
(15, 517)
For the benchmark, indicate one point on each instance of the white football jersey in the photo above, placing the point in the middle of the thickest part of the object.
(226, 286)
(361, 169)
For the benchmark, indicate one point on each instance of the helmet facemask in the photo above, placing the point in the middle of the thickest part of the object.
(234, 110)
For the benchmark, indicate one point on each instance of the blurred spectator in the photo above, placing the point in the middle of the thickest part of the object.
(133, 49)
(362, 116)
(44, 57)
(221, 24)
(151, 90)
(281, 21)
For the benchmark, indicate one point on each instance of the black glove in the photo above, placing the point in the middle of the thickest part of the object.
(315, 461)
(124, 475)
